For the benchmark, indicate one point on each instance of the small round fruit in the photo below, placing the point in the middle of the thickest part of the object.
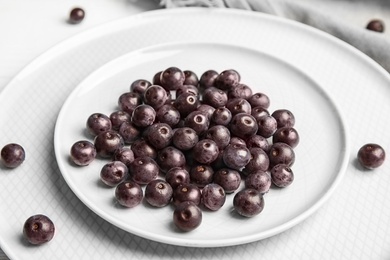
(213, 196)
(107, 143)
(187, 192)
(143, 170)
(376, 25)
(236, 156)
(259, 180)
(82, 152)
(158, 193)
(98, 123)
(248, 202)
(371, 155)
(282, 175)
(113, 173)
(281, 153)
(187, 216)
(38, 229)
(76, 15)
(128, 194)
(12, 155)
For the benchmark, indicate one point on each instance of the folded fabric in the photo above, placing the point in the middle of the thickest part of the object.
(375, 45)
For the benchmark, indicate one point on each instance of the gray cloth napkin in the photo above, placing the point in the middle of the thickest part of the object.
(376, 45)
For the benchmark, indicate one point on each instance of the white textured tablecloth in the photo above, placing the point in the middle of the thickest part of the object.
(29, 28)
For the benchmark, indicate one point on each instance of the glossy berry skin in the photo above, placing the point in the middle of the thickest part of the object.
(238, 105)
(201, 175)
(118, 118)
(213, 196)
(207, 79)
(215, 97)
(168, 114)
(142, 148)
(259, 161)
(259, 180)
(129, 194)
(206, 109)
(267, 126)
(236, 156)
(228, 179)
(98, 123)
(139, 86)
(259, 100)
(258, 112)
(172, 78)
(240, 91)
(159, 135)
(38, 229)
(376, 25)
(258, 141)
(220, 135)
(177, 176)
(185, 138)
(107, 143)
(143, 170)
(187, 192)
(205, 151)
(113, 173)
(282, 175)
(190, 89)
(248, 202)
(129, 132)
(371, 156)
(190, 78)
(288, 135)
(284, 117)
(170, 157)
(155, 96)
(158, 193)
(198, 121)
(143, 116)
(227, 79)
(186, 103)
(187, 216)
(83, 152)
(221, 116)
(76, 15)
(128, 101)
(281, 153)
(12, 155)
(125, 155)
(243, 125)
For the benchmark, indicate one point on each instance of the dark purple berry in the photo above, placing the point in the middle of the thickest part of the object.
(168, 114)
(221, 116)
(198, 121)
(125, 155)
(38, 229)
(259, 112)
(76, 15)
(158, 193)
(159, 135)
(186, 103)
(259, 180)
(288, 135)
(259, 161)
(376, 25)
(243, 125)
(172, 78)
(83, 153)
(12, 155)
(177, 176)
(107, 143)
(227, 79)
(213, 196)
(258, 141)
(236, 156)
(190, 89)
(143, 115)
(282, 175)
(155, 96)
(118, 118)
(139, 86)
(207, 79)
(185, 138)
(228, 179)
(205, 151)
(248, 202)
(143, 170)
(98, 123)
(281, 153)
(186, 192)
(259, 100)
(201, 175)
(190, 78)
(142, 148)
(187, 216)
(240, 91)
(129, 101)
(170, 157)
(129, 132)
(238, 105)
(128, 194)
(215, 97)
(206, 109)
(267, 126)
(371, 156)
(113, 173)
(284, 117)
(220, 135)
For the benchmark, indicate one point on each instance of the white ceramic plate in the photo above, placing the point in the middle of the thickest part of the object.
(37, 94)
(321, 155)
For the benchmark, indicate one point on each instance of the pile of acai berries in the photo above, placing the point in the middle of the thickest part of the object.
(190, 141)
